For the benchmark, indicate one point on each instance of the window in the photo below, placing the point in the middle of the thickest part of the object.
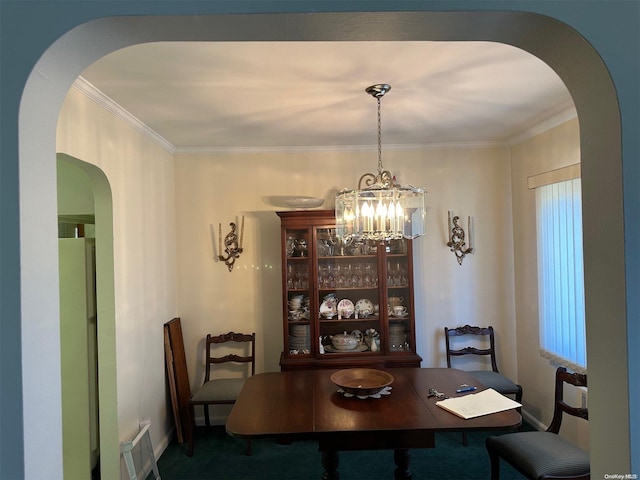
(561, 274)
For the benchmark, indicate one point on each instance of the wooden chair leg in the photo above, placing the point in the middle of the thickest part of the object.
(519, 409)
(191, 430)
(206, 415)
(465, 441)
(248, 447)
(494, 461)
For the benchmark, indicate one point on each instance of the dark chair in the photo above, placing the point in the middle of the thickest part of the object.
(223, 391)
(483, 337)
(544, 455)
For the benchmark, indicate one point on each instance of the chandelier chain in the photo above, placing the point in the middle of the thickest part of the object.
(379, 138)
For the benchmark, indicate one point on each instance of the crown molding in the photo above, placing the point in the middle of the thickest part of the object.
(89, 90)
(564, 116)
(118, 111)
(333, 148)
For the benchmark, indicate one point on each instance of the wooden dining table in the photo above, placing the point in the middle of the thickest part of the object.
(305, 404)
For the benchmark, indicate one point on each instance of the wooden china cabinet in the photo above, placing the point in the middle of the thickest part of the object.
(330, 288)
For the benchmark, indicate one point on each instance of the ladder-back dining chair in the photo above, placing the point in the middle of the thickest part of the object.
(545, 455)
(217, 390)
(483, 345)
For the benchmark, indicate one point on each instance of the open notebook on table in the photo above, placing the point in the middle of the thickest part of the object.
(477, 404)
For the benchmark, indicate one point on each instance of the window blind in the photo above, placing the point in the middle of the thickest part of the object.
(561, 274)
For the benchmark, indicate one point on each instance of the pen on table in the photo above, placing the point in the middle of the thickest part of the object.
(465, 388)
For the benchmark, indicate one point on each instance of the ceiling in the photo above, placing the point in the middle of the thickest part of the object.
(262, 95)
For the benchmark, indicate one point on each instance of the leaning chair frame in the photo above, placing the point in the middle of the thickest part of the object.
(212, 360)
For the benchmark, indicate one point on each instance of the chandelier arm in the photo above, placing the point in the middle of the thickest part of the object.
(368, 178)
(385, 179)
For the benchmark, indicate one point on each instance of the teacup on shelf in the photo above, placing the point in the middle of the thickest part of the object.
(395, 301)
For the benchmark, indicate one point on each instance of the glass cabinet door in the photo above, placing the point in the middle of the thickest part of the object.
(344, 304)
(399, 299)
(297, 289)
(348, 300)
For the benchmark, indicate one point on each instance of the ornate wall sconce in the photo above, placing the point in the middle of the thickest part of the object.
(232, 247)
(456, 238)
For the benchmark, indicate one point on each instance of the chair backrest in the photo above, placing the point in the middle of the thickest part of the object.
(560, 406)
(214, 358)
(486, 332)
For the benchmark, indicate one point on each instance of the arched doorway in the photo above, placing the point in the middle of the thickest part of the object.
(88, 404)
(563, 49)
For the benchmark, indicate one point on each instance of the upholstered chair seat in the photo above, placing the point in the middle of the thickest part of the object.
(541, 454)
(218, 390)
(545, 455)
(498, 382)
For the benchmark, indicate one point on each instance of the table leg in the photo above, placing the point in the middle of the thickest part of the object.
(402, 459)
(330, 464)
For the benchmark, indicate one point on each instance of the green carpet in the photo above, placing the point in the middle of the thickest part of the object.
(218, 456)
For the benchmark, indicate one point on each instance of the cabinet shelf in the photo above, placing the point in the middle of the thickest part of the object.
(335, 320)
(345, 257)
(345, 289)
(361, 274)
(348, 352)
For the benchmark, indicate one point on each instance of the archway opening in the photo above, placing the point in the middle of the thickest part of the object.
(564, 50)
(89, 390)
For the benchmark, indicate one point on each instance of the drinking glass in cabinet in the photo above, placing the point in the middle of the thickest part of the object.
(347, 275)
(297, 246)
(397, 274)
(327, 241)
(370, 276)
(326, 276)
(297, 276)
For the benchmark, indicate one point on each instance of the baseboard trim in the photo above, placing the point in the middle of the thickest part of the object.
(534, 422)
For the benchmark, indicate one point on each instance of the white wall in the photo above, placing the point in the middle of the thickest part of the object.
(140, 174)
(553, 149)
(220, 188)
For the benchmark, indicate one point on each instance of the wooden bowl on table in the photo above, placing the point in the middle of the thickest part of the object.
(362, 381)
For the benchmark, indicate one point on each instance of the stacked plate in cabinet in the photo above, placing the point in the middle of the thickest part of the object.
(299, 339)
(397, 337)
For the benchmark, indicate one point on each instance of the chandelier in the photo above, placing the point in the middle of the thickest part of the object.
(382, 209)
